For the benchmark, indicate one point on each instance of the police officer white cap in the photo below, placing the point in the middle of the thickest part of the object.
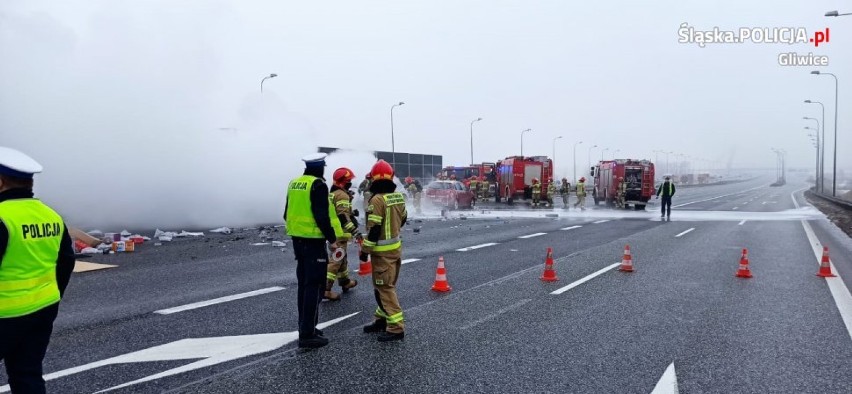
(17, 164)
(315, 160)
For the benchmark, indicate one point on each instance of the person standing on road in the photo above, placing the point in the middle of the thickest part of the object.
(667, 189)
(386, 216)
(565, 190)
(36, 261)
(551, 192)
(536, 192)
(414, 190)
(620, 193)
(581, 194)
(341, 200)
(308, 217)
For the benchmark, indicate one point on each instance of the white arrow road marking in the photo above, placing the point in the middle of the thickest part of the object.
(219, 300)
(684, 233)
(585, 279)
(531, 235)
(838, 288)
(474, 247)
(570, 228)
(406, 261)
(211, 351)
(668, 382)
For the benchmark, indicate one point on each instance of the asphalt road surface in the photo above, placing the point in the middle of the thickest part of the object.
(217, 314)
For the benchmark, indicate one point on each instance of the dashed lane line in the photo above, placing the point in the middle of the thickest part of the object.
(495, 314)
(570, 228)
(716, 198)
(684, 233)
(742, 222)
(532, 235)
(219, 300)
(406, 261)
(735, 208)
(584, 279)
(474, 247)
(601, 221)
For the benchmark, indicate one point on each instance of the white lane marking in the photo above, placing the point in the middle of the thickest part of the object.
(584, 279)
(601, 221)
(406, 261)
(570, 228)
(219, 300)
(668, 382)
(532, 235)
(742, 222)
(211, 351)
(495, 314)
(474, 247)
(684, 233)
(745, 203)
(735, 208)
(764, 203)
(715, 198)
(839, 291)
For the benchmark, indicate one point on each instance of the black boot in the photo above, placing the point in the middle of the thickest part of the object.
(376, 326)
(313, 342)
(390, 336)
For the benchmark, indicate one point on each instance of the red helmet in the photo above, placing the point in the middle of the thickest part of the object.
(582, 179)
(343, 175)
(381, 170)
(409, 179)
(535, 180)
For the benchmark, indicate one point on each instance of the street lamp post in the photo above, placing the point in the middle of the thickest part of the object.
(589, 158)
(471, 138)
(575, 159)
(834, 164)
(273, 75)
(393, 144)
(817, 133)
(821, 141)
(602, 152)
(522, 141)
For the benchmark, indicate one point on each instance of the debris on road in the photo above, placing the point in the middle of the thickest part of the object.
(85, 238)
(221, 230)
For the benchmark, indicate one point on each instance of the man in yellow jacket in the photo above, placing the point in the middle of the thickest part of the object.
(36, 261)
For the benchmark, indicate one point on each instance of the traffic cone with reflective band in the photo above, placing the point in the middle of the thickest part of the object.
(364, 267)
(441, 284)
(549, 274)
(744, 271)
(626, 261)
(825, 265)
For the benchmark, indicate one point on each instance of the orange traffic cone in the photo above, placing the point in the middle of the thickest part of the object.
(825, 265)
(626, 261)
(364, 267)
(744, 271)
(549, 274)
(441, 284)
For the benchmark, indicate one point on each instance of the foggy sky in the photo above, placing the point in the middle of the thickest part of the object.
(111, 89)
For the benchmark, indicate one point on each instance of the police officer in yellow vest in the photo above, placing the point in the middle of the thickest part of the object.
(386, 215)
(311, 223)
(36, 261)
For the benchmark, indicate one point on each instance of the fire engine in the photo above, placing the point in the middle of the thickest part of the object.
(639, 175)
(515, 175)
(481, 171)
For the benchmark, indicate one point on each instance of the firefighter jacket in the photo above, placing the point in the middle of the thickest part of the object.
(581, 188)
(566, 188)
(387, 212)
(342, 202)
(551, 189)
(536, 188)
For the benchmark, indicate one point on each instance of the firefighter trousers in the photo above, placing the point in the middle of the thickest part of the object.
(386, 267)
(417, 198)
(581, 201)
(565, 200)
(535, 198)
(338, 271)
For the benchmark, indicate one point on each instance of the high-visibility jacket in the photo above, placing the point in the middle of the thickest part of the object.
(300, 218)
(387, 211)
(581, 188)
(536, 188)
(667, 189)
(28, 269)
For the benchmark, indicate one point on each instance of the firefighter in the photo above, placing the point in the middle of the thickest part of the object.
(342, 202)
(474, 186)
(581, 194)
(386, 215)
(36, 261)
(565, 190)
(309, 217)
(620, 192)
(536, 192)
(364, 191)
(414, 191)
(667, 189)
(551, 191)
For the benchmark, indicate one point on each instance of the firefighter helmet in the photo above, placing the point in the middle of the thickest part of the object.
(582, 179)
(343, 175)
(564, 179)
(534, 181)
(408, 180)
(381, 170)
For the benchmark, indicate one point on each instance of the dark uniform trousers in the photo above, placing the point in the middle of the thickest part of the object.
(311, 267)
(23, 343)
(666, 206)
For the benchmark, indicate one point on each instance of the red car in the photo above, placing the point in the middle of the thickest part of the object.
(451, 194)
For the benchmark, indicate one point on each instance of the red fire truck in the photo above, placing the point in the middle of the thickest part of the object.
(639, 175)
(515, 175)
(462, 174)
